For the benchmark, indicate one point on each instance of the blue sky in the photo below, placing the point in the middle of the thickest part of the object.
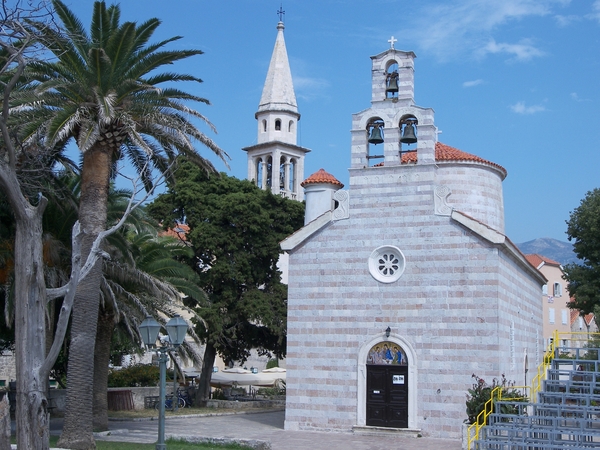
(516, 82)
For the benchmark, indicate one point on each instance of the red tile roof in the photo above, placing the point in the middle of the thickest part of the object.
(575, 313)
(178, 232)
(321, 176)
(444, 152)
(537, 260)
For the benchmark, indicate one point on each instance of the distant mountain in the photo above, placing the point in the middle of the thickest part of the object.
(559, 251)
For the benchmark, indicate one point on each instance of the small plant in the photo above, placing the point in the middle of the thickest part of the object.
(481, 392)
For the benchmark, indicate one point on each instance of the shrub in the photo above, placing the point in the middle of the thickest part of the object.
(138, 375)
(273, 362)
(481, 392)
(218, 394)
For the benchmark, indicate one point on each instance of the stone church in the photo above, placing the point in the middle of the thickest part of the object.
(404, 285)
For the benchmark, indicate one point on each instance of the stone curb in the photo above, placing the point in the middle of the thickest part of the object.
(188, 416)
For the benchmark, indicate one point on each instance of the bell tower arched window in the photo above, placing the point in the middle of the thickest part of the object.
(282, 174)
(269, 170)
(375, 136)
(278, 125)
(391, 80)
(258, 170)
(292, 178)
(264, 125)
(408, 133)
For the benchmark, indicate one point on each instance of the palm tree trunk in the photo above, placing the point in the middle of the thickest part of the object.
(78, 428)
(106, 326)
(207, 367)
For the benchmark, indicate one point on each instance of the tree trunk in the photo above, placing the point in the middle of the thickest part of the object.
(78, 427)
(207, 367)
(32, 420)
(106, 326)
(4, 423)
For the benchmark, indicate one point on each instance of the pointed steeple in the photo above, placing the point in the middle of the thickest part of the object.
(276, 161)
(278, 92)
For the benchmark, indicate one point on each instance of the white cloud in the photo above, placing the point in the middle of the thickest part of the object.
(575, 97)
(454, 26)
(522, 51)
(520, 108)
(595, 14)
(564, 21)
(468, 84)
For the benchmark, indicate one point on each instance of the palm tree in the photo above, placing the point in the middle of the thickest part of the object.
(102, 90)
(143, 275)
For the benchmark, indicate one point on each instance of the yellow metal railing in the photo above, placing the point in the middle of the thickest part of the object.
(536, 383)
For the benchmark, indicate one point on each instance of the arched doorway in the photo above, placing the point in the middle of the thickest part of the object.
(387, 386)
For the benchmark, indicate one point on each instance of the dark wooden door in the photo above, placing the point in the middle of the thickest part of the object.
(387, 396)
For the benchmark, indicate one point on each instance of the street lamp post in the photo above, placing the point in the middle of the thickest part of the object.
(176, 329)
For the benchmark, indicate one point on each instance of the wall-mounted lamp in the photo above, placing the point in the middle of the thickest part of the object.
(387, 332)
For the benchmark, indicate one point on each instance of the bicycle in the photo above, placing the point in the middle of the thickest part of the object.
(183, 394)
(169, 402)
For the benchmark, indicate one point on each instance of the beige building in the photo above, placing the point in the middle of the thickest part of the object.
(555, 296)
(555, 302)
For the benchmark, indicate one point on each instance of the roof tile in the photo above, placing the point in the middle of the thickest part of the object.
(321, 176)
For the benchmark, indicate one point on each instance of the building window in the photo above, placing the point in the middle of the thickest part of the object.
(278, 125)
(545, 289)
(551, 315)
(557, 290)
(264, 124)
(564, 316)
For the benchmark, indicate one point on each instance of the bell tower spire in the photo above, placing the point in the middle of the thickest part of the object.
(276, 162)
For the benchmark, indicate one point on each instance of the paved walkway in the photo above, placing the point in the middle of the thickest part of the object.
(266, 426)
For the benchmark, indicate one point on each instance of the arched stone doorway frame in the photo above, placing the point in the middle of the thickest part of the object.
(362, 377)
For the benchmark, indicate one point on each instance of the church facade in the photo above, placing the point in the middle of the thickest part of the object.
(404, 285)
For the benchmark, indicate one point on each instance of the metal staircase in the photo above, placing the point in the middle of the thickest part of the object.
(564, 415)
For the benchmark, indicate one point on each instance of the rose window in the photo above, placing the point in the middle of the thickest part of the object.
(386, 263)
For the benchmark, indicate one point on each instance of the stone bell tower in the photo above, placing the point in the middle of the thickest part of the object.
(276, 162)
(393, 125)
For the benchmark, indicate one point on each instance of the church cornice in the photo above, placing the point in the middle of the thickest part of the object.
(271, 144)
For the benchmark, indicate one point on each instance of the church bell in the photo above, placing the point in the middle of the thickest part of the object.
(375, 136)
(392, 83)
(408, 136)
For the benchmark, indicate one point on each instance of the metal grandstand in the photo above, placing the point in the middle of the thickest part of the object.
(561, 410)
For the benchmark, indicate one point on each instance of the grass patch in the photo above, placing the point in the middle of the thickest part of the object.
(172, 444)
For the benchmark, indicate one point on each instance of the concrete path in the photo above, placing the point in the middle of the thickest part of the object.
(267, 426)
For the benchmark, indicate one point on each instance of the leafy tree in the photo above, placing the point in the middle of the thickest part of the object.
(583, 227)
(102, 89)
(235, 230)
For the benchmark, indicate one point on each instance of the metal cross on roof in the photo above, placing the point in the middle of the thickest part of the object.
(391, 41)
(281, 12)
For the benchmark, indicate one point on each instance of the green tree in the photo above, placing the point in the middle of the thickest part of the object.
(235, 230)
(583, 227)
(102, 89)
